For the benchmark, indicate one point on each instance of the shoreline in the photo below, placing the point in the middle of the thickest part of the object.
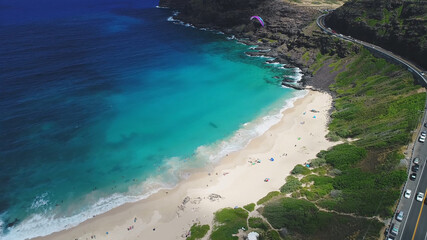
(172, 212)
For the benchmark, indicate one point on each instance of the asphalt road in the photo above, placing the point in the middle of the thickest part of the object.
(414, 224)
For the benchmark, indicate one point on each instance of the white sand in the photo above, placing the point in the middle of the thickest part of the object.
(235, 179)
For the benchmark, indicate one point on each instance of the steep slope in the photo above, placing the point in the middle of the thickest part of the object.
(397, 25)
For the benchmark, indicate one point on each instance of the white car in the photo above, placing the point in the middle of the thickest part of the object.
(420, 197)
(416, 160)
(408, 193)
(422, 139)
(400, 215)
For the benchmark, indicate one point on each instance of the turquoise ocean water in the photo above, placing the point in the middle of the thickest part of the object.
(108, 105)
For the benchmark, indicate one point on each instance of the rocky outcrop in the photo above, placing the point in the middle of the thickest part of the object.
(397, 25)
(284, 35)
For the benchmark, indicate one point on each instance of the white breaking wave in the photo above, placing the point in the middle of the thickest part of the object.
(296, 76)
(38, 225)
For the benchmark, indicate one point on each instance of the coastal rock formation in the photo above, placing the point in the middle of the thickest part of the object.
(397, 25)
(285, 36)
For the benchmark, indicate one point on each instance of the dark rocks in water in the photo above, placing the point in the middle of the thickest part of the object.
(262, 49)
(287, 80)
(255, 54)
(292, 86)
(213, 125)
(11, 224)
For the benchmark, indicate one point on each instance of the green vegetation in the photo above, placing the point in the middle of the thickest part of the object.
(372, 22)
(320, 59)
(344, 156)
(306, 56)
(294, 214)
(228, 222)
(198, 231)
(250, 207)
(386, 16)
(257, 223)
(270, 235)
(292, 184)
(337, 65)
(377, 103)
(302, 219)
(300, 169)
(322, 185)
(267, 198)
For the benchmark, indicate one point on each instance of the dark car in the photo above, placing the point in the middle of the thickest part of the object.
(425, 124)
(415, 168)
(413, 176)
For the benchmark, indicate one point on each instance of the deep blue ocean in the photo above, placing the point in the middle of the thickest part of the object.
(106, 102)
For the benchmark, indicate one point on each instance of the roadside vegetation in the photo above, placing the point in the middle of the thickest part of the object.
(349, 187)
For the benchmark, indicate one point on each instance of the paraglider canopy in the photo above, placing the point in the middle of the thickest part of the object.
(259, 19)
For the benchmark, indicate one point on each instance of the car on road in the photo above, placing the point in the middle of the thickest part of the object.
(424, 133)
(425, 124)
(416, 160)
(422, 139)
(400, 215)
(413, 176)
(390, 238)
(395, 229)
(420, 197)
(408, 193)
(415, 168)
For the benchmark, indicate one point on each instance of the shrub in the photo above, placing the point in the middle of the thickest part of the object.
(270, 235)
(228, 222)
(318, 162)
(344, 155)
(257, 223)
(198, 231)
(250, 207)
(294, 214)
(268, 197)
(300, 169)
(292, 184)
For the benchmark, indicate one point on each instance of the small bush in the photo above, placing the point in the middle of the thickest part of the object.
(269, 196)
(318, 162)
(300, 169)
(292, 184)
(270, 235)
(198, 231)
(250, 207)
(257, 223)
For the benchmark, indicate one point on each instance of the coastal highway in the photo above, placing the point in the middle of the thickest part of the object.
(414, 224)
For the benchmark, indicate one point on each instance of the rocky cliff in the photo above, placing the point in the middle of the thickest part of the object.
(397, 25)
(285, 33)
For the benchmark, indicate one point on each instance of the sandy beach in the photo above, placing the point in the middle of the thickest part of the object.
(236, 181)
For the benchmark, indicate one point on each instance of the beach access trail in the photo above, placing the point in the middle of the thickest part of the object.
(239, 179)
